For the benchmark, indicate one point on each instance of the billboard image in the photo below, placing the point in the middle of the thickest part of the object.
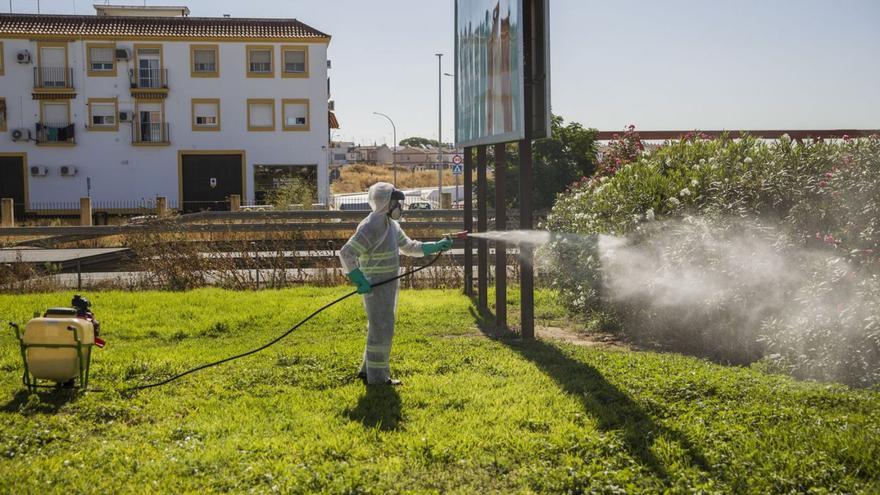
(489, 72)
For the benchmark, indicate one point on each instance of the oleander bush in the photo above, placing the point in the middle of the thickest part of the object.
(741, 250)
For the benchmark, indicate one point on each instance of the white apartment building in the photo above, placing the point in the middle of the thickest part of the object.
(135, 103)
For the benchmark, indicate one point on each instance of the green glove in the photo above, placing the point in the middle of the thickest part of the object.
(358, 278)
(430, 248)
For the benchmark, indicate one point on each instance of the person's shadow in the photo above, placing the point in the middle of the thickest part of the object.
(378, 407)
(612, 408)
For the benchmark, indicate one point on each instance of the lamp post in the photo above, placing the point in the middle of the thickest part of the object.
(393, 148)
(440, 128)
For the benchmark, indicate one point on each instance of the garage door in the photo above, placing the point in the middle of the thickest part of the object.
(209, 180)
(12, 181)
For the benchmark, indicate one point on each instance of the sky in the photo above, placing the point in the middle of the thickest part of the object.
(660, 65)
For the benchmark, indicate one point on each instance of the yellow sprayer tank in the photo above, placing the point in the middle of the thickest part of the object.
(59, 364)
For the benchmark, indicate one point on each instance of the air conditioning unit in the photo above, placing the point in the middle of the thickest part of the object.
(122, 54)
(331, 105)
(126, 116)
(23, 57)
(20, 134)
(38, 171)
(68, 170)
(329, 64)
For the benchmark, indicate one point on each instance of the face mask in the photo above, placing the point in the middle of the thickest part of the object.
(394, 210)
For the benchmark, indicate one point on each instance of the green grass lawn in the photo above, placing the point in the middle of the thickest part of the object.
(475, 414)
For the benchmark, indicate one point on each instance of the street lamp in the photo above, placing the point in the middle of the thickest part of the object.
(440, 128)
(394, 148)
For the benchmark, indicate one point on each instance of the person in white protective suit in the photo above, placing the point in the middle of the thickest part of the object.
(372, 256)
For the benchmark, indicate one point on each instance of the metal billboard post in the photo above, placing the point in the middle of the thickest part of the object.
(468, 221)
(482, 225)
(500, 247)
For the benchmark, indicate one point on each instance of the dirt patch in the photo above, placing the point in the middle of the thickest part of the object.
(573, 337)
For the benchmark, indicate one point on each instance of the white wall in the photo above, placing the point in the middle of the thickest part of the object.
(122, 172)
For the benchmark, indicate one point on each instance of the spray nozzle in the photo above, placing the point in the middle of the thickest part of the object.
(461, 236)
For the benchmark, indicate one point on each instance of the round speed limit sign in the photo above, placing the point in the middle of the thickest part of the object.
(456, 159)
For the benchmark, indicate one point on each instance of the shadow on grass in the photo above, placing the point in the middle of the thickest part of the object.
(612, 408)
(42, 402)
(378, 407)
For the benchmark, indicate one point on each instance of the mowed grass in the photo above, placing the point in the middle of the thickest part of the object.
(475, 414)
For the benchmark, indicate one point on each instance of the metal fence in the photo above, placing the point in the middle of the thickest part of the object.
(53, 78)
(149, 78)
(143, 132)
(55, 132)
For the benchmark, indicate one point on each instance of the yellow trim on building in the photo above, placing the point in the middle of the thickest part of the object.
(260, 101)
(182, 153)
(296, 128)
(189, 39)
(2, 61)
(247, 60)
(205, 101)
(192, 61)
(55, 44)
(295, 48)
(100, 73)
(104, 128)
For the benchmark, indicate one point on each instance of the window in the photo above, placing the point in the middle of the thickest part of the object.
(2, 114)
(261, 115)
(52, 71)
(205, 60)
(259, 60)
(103, 114)
(149, 127)
(295, 114)
(205, 114)
(54, 126)
(150, 73)
(102, 59)
(296, 61)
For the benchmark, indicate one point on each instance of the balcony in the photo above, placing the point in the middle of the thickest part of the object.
(143, 134)
(51, 133)
(53, 80)
(147, 82)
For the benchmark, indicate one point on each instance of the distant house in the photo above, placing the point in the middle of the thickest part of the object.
(374, 155)
(342, 153)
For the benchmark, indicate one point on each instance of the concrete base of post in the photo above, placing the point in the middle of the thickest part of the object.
(85, 212)
(161, 207)
(7, 213)
(235, 202)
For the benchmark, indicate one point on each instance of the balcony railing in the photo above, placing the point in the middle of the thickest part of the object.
(53, 78)
(142, 78)
(55, 133)
(150, 133)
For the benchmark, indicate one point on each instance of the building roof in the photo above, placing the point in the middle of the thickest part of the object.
(36, 26)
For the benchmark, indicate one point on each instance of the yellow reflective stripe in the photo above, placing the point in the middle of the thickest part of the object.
(358, 246)
(385, 255)
(373, 270)
(378, 348)
(377, 364)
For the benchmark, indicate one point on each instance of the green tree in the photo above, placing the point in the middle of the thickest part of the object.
(419, 142)
(559, 161)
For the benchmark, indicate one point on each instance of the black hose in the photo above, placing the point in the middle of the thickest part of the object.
(272, 342)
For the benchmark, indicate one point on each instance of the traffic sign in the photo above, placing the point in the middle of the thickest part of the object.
(456, 159)
(457, 169)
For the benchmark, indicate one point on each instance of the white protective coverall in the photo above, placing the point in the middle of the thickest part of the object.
(375, 248)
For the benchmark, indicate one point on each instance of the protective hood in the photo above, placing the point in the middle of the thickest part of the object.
(379, 196)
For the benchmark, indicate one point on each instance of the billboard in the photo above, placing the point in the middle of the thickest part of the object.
(489, 83)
